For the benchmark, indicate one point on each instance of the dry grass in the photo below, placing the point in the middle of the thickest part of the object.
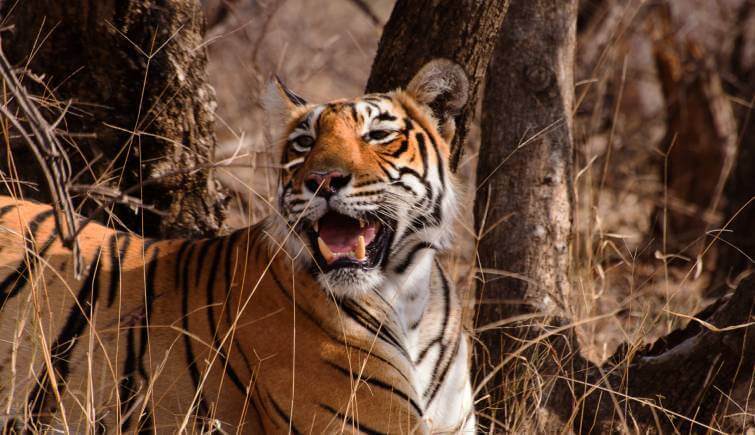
(626, 289)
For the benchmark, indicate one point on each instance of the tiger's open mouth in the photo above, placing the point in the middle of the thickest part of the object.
(340, 241)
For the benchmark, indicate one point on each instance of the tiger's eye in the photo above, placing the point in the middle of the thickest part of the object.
(378, 134)
(304, 141)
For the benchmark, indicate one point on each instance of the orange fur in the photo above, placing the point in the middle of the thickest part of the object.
(280, 327)
(236, 333)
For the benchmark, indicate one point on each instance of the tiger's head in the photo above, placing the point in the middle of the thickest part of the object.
(366, 181)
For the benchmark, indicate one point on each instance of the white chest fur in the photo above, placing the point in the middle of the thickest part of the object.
(430, 315)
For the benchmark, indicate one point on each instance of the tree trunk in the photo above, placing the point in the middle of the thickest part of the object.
(700, 142)
(523, 211)
(421, 30)
(736, 252)
(529, 354)
(141, 107)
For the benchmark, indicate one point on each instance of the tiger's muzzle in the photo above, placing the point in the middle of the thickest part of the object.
(344, 238)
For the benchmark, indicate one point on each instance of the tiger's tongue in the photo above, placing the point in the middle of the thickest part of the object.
(341, 233)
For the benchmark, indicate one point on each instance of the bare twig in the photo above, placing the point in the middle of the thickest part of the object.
(114, 195)
(365, 8)
(51, 157)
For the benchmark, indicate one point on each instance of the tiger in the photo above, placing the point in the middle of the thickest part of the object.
(332, 315)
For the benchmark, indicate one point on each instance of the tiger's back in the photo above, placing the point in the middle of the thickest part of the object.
(162, 334)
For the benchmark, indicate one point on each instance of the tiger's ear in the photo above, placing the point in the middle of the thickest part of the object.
(280, 100)
(441, 85)
(279, 103)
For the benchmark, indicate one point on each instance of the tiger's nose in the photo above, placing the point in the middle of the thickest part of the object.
(326, 184)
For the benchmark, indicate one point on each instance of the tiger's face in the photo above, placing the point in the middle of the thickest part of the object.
(365, 180)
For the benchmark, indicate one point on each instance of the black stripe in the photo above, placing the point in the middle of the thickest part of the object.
(6, 209)
(402, 149)
(409, 171)
(391, 239)
(385, 116)
(211, 316)
(385, 171)
(16, 280)
(446, 314)
(184, 269)
(202, 255)
(315, 321)
(437, 213)
(77, 321)
(299, 101)
(401, 268)
(350, 422)
(127, 388)
(283, 415)
(416, 323)
(372, 324)
(380, 384)
(263, 406)
(401, 184)
(115, 269)
(146, 423)
(441, 171)
(388, 162)
(116, 259)
(230, 250)
(371, 98)
(147, 243)
(402, 170)
(446, 294)
(437, 382)
(367, 183)
(180, 261)
(423, 352)
(20, 276)
(366, 193)
(65, 344)
(423, 152)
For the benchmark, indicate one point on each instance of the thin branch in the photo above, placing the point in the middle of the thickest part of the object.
(367, 10)
(52, 159)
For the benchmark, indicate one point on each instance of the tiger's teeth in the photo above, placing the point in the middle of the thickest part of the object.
(324, 250)
(317, 226)
(360, 251)
(361, 223)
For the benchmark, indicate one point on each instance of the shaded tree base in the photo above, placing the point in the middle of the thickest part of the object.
(687, 381)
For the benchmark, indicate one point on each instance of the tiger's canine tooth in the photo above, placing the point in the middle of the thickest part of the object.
(361, 250)
(361, 223)
(325, 250)
(317, 226)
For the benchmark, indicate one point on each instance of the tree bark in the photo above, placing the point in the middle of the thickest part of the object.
(421, 30)
(691, 380)
(141, 107)
(523, 211)
(686, 381)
